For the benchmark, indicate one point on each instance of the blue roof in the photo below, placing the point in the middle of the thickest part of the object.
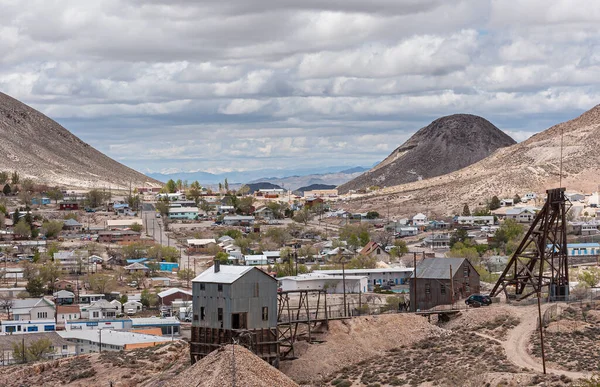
(576, 245)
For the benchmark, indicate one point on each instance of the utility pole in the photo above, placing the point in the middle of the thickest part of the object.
(344, 284)
(413, 303)
(100, 343)
(451, 287)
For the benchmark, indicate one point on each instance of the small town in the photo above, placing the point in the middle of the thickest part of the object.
(265, 193)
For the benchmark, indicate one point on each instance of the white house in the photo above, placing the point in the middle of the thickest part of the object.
(521, 214)
(473, 220)
(391, 275)
(419, 219)
(132, 307)
(101, 309)
(507, 202)
(254, 260)
(264, 213)
(33, 309)
(332, 284)
(407, 231)
(238, 220)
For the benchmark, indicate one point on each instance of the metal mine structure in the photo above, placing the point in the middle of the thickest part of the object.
(540, 263)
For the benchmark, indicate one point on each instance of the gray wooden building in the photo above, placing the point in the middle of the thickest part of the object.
(433, 284)
(234, 302)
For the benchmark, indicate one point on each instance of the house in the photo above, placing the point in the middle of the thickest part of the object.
(67, 312)
(89, 298)
(373, 249)
(583, 249)
(70, 261)
(166, 297)
(64, 285)
(272, 256)
(437, 241)
(507, 202)
(18, 327)
(64, 297)
(585, 228)
(474, 220)
(255, 260)
(419, 220)
(407, 231)
(331, 284)
(438, 225)
(184, 213)
(160, 281)
(199, 246)
(433, 284)
(270, 192)
(177, 196)
(121, 237)
(339, 251)
(132, 307)
(59, 347)
(90, 341)
(102, 309)
(33, 309)
(528, 196)
(71, 226)
(225, 209)
(264, 213)
(121, 224)
(135, 267)
(85, 324)
(183, 204)
(118, 306)
(521, 214)
(68, 206)
(229, 300)
(576, 197)
(238, 220)
(43, 201)
(225, 240)
(312, 202)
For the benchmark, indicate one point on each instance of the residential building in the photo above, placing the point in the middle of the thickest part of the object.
(64, 297)
(121, 237)
(184, 213)
(68, 206)
(100, 310)
(434, 285)
(238, 220)
(71, 226)
(437, 241)
(407, 231)
(166, 297)
(507, 202)
(373, 249)
(64, 285)
(474, 220)
(90, 298)
(96, 340)
(135, 267)
(419, 220)
(255, 260)
(160, 282)
(15, 327)
(585, 228)
(70, 261)
(521, 214)
(123, 324)
(264, 213)
(132, 307)
(200, 246)
(68, 312)
(59, 347)
(43, 201)
(33, 309)
(174, 197)
(121, 224)
(583, 249)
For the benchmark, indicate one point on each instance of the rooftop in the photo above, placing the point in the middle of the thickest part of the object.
(168, 292)
(111, 337)
(153, 321)
(226, 275)
(438, 268)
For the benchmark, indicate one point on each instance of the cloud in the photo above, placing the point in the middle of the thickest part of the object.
(237, 85)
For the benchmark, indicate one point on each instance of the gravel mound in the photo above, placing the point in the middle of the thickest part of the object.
(217, 370)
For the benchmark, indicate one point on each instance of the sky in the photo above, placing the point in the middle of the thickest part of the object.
(217, 86)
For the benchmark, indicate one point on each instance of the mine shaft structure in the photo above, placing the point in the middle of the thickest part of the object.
(540, 263)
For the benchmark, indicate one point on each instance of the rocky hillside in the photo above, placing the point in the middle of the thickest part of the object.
(41, 149)
(446, 145)
(532, 165)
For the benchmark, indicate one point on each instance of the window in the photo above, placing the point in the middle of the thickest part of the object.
(95, 314)
(220, 287)
(195, 317)
(64, 347)
(32, 329)
(202, 286)
(202, 313)
(466, 270)
(220, 314)
(42, 314)
(10, 329)
(442, 289)
(256, 289)
(19, 328)
(49, 328)
(265, 313)
(427, 288)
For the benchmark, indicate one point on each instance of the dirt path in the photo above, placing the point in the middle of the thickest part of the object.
(518, 341)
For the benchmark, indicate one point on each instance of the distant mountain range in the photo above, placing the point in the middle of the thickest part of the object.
(287, 178)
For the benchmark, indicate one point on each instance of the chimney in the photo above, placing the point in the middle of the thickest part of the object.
(217, 266)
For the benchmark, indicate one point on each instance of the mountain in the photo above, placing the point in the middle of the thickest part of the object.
(291, 178)
(300, 191)
(40, 149)
(446, 145)
(532, 165)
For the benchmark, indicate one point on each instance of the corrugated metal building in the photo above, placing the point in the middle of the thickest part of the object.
(234, 301)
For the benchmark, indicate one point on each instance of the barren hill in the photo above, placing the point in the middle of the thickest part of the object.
(446, 145)
(532, 165)
(41, 149)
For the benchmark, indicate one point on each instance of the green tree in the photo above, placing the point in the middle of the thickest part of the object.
(102, 283)
(400, 248)
(222, 257)
(171, 186)
(277, 209)
(35, 287)
(233, 233)
(186, 274)
(226, 185)
(303, 216)
(278, 235)
(3, 177)
(244, 190)
(245, 205)
(589, 276)
(23, 229)
(194, 192)
(95, 198)
(36, 351)
(52, 228)
(55, 194)
(179, 184)
(482, 212)
(517, 199)
(163, 208)
(466, 211)
(361, 261)
(6, 190)
(135, 251)
(163, 253)
(460, 235)
(507, 236)
(372, 215)
(149, 299)
(14, 179)
(494, 203)
(243, 243)
(136, 227)
(50, 272)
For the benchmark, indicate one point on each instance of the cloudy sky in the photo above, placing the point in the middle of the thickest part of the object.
(185, 85)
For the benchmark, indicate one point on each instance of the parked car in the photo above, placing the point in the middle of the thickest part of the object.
(477, 300)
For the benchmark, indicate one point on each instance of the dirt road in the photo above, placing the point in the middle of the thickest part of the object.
(517, 343)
